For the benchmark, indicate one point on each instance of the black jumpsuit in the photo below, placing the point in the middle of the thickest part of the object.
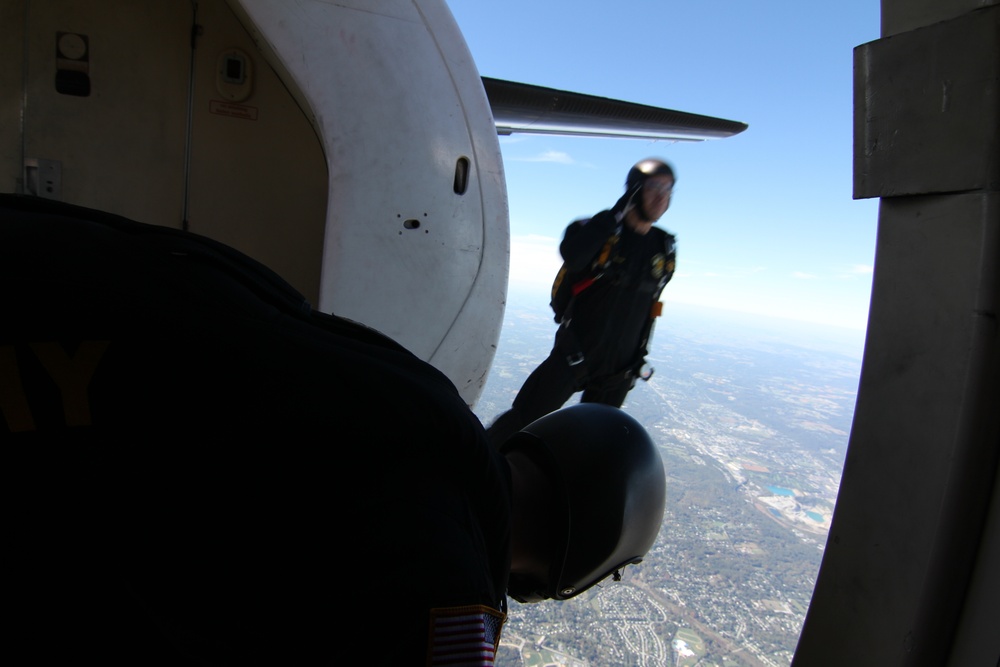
(601, 345)
(201, 470)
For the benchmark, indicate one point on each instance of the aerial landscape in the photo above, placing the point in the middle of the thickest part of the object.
(752, 419)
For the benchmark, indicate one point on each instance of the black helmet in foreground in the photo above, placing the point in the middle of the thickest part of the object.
(612, 488)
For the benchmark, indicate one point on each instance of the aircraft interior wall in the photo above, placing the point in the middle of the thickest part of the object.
(258, 173)
(93, 84)
(121, 115)
(11, 75)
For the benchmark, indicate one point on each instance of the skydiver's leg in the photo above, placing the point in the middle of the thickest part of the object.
(547, 388)
(609, 393)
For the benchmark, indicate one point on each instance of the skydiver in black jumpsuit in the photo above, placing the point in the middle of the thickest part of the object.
(600, 347)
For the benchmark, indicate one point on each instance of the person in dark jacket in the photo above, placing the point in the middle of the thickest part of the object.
(203, 470)
(616, 265)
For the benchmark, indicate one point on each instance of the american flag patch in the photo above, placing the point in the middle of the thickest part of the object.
(464, 636)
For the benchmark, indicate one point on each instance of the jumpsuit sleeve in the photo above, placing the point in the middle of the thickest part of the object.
(583, 239)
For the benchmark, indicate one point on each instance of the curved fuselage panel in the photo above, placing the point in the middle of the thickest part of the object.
(416, 239)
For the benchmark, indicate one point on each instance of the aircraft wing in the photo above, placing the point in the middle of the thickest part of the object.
(525, 108)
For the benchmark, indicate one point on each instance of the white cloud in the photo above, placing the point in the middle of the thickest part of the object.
(862, 270)
(534, 260)
(548, 156)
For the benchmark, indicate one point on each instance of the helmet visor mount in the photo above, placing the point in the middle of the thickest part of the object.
(566, 592)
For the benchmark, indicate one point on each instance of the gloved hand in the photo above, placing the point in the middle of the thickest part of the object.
(625, 201)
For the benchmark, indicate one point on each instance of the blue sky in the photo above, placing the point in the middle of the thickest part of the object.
(765, 220)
